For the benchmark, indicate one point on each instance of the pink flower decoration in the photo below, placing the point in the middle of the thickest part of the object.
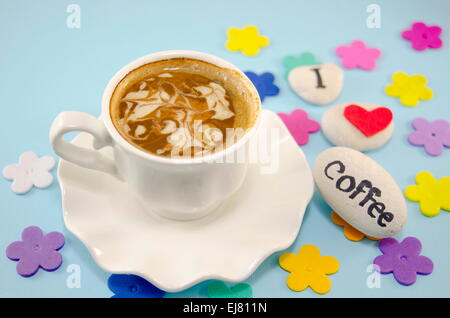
(299, 125)
(423, 36)
(358, 55)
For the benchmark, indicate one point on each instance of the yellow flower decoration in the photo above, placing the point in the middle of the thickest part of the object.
(432, 194)
(309, 269)
(246, 40)
(350, 232)
(410, 89)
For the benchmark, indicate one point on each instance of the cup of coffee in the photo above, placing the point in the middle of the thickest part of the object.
(179, 124)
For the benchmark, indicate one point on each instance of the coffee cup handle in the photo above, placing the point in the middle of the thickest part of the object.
(70, 121)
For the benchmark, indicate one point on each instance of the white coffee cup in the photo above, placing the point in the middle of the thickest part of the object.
(176, 188)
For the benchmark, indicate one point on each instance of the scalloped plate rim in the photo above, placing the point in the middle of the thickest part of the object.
(216, 276)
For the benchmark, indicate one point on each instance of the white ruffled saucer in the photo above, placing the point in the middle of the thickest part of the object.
(229, 244)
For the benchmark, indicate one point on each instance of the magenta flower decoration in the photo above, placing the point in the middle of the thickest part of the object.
(434, 136)
(403, 260)
(35, 251)
(358, 55)
(299, 125)
(423, 36)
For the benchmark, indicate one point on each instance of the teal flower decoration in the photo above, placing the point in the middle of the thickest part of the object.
(306, 58)
(219, 289)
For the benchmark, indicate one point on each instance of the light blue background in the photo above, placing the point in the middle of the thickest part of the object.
(46, 68)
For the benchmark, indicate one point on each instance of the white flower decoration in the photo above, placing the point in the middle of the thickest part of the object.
(31, 170)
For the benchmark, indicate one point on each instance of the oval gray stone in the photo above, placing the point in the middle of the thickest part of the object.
(360, 191)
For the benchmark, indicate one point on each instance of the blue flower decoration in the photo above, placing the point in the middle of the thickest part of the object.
(132, 286)
(264, 84)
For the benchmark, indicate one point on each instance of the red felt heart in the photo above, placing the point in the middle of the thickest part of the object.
(368, 122)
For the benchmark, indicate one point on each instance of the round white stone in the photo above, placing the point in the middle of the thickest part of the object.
(315, 89)
(338, 171)
(341, 132)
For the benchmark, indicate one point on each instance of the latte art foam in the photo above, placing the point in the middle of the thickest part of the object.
(181, 110)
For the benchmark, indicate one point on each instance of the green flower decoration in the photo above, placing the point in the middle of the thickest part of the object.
(221, 290)
(306, 58)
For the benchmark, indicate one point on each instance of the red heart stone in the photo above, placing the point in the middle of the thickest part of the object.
(368, 122)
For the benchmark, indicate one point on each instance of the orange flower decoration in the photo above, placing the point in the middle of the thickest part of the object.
(350, 232)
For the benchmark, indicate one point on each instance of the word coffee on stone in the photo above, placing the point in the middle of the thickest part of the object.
(360, 191)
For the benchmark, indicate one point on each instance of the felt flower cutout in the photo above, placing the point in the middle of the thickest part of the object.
(36, 250)
(434, 136)
(246, 40)
(264, 84)
(31, 170)
(221, 290)
(132, 286)
(309, 269)
(304, 59)
(299, 125)
(423, 36)
(433, 195)
(358, 55)
(403, 260)
(410, 89)
(350, 232)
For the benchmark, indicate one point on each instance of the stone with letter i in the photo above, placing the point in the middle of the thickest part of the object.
(317, 84)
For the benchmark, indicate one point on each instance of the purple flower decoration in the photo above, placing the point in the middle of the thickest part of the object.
(403, 259)
(434, 136)
(423, 36)
(264, 84)
(36, 250)
(132, 286)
